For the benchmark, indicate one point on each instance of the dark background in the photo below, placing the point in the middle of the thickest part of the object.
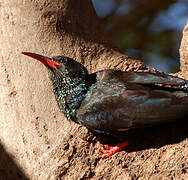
(150, 30)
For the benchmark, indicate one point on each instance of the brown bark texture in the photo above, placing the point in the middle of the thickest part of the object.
(37, 142)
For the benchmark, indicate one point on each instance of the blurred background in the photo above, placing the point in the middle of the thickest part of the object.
(150, 30)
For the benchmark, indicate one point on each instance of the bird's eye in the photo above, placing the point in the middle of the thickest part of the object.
(60, 59)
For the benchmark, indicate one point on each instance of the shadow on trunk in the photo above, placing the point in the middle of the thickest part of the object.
(8, 168)
(150, 137)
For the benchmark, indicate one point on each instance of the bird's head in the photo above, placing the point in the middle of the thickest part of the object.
(68, 79)
(61, 65)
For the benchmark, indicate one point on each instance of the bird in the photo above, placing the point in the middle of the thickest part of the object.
(110, 101)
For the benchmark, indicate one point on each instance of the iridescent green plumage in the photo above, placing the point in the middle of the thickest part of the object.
(69, 85)
(108, 101)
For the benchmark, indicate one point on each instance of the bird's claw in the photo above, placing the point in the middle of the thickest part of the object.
(108, 150)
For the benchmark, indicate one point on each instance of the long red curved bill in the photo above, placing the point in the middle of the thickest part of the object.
(43, 59)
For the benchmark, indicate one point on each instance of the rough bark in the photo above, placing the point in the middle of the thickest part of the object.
(184, 50)
(37, 141)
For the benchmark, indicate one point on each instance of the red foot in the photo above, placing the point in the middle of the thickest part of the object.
(110, 150)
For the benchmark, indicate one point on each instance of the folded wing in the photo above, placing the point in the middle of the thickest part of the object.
(122, 100)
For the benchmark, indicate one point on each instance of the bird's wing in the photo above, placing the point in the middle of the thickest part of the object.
(140, 77)
(112, 105)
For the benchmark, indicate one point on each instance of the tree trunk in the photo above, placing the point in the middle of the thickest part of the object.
(37, 141)
(184, 50)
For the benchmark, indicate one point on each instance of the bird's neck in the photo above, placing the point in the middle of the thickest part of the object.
(69, 94)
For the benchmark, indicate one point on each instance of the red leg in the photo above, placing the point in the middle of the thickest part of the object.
(110, 150)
